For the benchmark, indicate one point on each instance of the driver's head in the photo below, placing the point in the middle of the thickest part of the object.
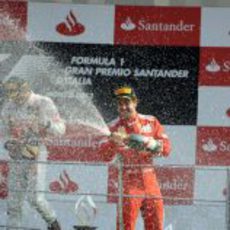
(17, 89)
(126, 102)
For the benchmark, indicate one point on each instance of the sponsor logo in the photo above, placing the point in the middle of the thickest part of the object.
(158, 26)
(144, 25)
(176, 184)
(213, 146)
(70, 27)
(128, 25)
(64, 184)
(209, 147)
(214, 67)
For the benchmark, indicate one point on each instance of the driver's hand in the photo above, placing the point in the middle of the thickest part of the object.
(119, 138)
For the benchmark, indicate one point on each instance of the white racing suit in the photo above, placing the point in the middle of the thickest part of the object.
(26, 176)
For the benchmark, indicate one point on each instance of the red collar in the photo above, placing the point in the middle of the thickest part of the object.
(131, 121)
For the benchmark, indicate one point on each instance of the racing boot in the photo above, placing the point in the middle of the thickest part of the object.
(54, 226)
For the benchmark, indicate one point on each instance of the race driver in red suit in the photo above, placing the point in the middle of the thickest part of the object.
(138, 138)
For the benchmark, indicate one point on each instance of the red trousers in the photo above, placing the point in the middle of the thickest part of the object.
(148, 201)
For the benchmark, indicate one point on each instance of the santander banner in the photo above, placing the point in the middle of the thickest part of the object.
(213, 146)
(70, 23)
(75, 179)
(144, 25)
(177, 185)
(215, 66)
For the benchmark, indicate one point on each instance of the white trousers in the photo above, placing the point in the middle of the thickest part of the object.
(27, 179)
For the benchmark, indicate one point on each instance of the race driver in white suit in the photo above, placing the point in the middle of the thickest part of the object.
(28, 119)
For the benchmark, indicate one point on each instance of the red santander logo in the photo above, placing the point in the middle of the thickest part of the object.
(215, 66)
(64, 184)
(213, 146)
(139, 25)
(144, 25)
(71, 26)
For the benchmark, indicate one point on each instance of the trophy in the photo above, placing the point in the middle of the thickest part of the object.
(85, 211)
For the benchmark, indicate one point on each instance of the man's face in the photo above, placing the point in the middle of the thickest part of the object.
(126, 108)
(16, 93)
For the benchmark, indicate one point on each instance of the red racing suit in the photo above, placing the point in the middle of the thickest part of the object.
(139, 181)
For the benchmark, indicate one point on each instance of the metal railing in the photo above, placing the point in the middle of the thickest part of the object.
(118, 162)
